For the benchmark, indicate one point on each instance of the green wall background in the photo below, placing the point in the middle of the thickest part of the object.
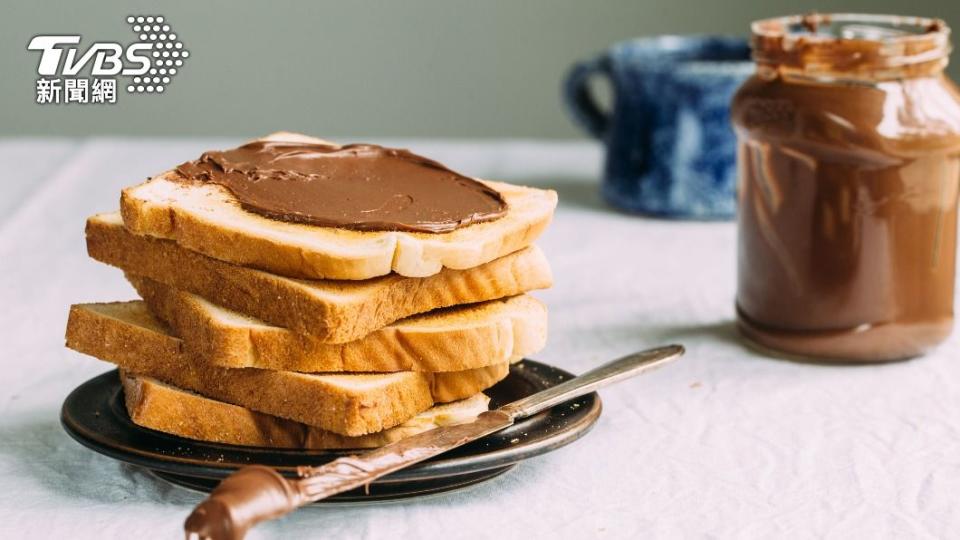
(452, 68)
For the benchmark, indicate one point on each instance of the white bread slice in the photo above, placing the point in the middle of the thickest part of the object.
(452, 339)
(207, 218)
(126, 334)
(155, 405)
(330, 311)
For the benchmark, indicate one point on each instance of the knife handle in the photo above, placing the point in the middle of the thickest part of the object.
(611, 372)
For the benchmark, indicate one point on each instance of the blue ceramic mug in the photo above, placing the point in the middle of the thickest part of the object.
(671, 151)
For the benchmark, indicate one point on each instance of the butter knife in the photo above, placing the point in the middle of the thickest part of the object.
(257, 493)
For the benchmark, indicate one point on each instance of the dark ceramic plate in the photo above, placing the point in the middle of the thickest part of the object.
(95, 416)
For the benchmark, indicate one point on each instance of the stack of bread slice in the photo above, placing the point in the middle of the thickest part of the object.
(255, 331)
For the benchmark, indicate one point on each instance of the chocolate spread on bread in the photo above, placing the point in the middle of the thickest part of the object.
(849, 172)
(358, 186)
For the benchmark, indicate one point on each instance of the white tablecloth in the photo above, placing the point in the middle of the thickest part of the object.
(723, 444)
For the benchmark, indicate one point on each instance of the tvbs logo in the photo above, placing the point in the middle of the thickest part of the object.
(107, 57)
(148, 65)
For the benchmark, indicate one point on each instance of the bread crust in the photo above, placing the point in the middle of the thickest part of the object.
(208, 219)
(126, 334)
(155, 405)
(330, 311)
(452, 339)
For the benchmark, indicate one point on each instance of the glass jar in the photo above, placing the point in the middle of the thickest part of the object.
(848, 165)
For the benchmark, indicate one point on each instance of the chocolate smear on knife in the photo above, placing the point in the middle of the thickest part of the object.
(257, 493)
(242, 500)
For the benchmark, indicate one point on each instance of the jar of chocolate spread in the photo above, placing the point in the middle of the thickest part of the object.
(849, 164)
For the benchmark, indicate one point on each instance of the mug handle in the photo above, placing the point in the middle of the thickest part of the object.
(580, 101)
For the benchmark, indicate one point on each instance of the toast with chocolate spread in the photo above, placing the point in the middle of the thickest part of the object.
(155, 405)
(451, 339)
(306, 208)
(331, 311)
(128, 335)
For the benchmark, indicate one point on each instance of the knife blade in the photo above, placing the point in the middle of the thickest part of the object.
(256, 493)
